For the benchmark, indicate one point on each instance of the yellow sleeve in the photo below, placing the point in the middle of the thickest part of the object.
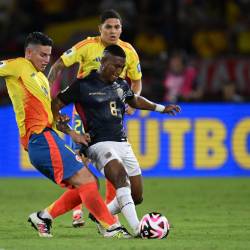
(9, 68)
(74, 55)
(134, 67)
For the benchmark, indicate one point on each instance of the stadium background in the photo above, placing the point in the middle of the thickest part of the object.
(212, 135)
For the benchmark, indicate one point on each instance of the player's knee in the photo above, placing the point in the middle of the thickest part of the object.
(138, 200)
(81, 177)
(121, 181)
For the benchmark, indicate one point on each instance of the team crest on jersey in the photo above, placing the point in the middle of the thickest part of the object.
(2, 64)
(120, 93)
(78, 158)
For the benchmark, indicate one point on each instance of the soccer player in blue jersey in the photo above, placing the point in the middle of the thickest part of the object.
(100, 100)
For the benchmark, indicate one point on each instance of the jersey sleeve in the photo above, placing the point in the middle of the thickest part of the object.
(74, 55)
(71, 94)
(129, 94)
(9, 68)
(134, 67)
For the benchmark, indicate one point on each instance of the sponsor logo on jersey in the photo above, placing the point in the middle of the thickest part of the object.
(139, 67)
(97, 59)
(45, 91)
(69, 52)
(97, 93)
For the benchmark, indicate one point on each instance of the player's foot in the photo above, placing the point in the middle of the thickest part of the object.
(117, 231)
(78, 219)
(101, 230)
(42, 225)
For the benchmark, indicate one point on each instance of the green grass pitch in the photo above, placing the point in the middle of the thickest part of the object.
(206, 214)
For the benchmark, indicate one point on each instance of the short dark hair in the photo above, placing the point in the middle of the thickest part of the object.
(115, 50)
(37, 38)
(109, 14)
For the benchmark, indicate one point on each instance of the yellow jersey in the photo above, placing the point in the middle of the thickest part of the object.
(30, 95)
(88, 54)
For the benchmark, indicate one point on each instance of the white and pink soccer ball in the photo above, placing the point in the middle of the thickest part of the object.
(154, 226)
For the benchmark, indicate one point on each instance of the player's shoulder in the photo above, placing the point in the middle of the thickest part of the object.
(18, 62)
(126, 46)
(122, 82)
(88, 41)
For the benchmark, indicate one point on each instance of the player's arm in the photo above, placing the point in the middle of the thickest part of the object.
(65, 97)
(136, 86)
(139, 102)
(55, 71)
(67, 59)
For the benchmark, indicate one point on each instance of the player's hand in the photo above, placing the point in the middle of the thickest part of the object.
(78, 138)
(84, 158)
(129, 110)
(172, 109)
(62, 123)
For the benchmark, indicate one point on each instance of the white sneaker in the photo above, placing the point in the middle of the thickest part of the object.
(42, 225)
(117, 231)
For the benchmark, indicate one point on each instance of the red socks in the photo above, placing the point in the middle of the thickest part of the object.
(110, 192)
(65, 203)
(93, 201)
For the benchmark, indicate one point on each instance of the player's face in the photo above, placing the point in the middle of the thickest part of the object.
(112, 67)
(110, 31)
(39, 55)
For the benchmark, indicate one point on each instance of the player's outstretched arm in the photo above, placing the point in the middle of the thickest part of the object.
(55, 71)
(139, 102)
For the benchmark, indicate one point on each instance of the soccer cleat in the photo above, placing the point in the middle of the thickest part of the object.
(78, 219)
(101, 230)
(41, 225)
(118, 232)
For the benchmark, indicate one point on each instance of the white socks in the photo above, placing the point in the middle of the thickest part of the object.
(45, 214)
(114, 207)
(127, 207)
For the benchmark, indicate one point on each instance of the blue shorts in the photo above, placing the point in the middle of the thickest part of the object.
(50, 155)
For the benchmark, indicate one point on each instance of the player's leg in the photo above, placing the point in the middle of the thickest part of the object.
(116, 174)
(77, 216)
(49, 154)
(110, 192)
(104, 156)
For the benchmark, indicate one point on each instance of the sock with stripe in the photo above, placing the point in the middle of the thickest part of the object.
(127, 207)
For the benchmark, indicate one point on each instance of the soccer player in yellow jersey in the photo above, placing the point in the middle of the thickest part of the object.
(87, 53)
(29, 91)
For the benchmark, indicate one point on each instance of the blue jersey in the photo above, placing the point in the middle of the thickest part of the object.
(100, 105)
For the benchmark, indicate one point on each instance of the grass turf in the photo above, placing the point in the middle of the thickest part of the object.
(206, 214)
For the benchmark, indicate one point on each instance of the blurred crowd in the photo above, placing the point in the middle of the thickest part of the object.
(190, 50)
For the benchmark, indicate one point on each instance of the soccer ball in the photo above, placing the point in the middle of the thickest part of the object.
(154, 226)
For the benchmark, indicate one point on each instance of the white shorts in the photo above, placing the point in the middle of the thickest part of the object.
(102, 153)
